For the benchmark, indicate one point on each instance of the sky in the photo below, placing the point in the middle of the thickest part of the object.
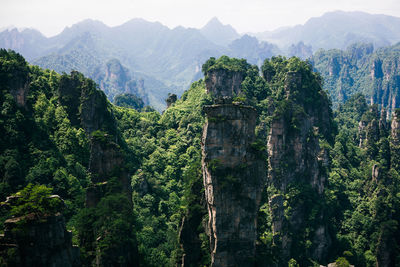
(52, 16)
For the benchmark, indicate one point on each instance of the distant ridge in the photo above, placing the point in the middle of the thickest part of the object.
(338, 29)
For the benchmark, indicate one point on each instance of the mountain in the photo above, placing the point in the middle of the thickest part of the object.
(31, 43)
(252, 49)
(218, 33)
(360, 69)
(167, 60)
(338, 29)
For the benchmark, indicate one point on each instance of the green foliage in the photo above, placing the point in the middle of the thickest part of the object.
(46, 145)
(342, 262)
(225, 63)
(35, 199)
(107, 232)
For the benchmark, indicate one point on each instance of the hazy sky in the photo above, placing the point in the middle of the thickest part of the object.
(51, 16)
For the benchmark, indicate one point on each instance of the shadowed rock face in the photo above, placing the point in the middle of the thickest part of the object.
(233, 175)
(295, 157)
(106, 161)
(45, 242)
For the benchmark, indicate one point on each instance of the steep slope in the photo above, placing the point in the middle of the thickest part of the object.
(298, 163)
(361, 70)
(234, 173)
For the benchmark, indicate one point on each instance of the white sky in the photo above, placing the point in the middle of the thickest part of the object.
(51, 16)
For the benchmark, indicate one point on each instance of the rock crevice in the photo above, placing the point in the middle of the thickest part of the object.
(233, 174)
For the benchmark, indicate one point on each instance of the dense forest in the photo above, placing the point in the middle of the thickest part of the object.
(88, 183)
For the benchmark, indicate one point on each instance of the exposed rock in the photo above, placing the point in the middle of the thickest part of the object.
(376, 69)
(191, 227)
(333, 66)
(233, 172)
(300, 50)
(115, 79)
(375, 172)
(93, 111)
(31, 241)
(234, 178)
(223, 85)
(361, 133)
(18, 86)
(295, 157)
(395, 128)
(395, 140)
(385, 251)
(106, 161)
(333, 264)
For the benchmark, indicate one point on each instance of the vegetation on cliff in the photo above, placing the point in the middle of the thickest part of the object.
(55, 126)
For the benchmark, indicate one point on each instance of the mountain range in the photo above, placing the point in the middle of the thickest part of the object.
(159, 60)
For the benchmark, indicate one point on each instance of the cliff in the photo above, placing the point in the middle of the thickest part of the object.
(360, 69)
(114, 79)
(395, 140)
(298, 167)
(35, 234)
(42, 242)
(233, 172)
(17, 68)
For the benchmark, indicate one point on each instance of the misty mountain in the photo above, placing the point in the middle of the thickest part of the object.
(168, 60)
(31, 43)
(338, 29)
(218, 33)
(163, 59)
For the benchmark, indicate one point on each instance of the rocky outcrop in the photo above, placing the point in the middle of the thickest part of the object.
(300, 50)
(14, 77)
(106, 161)
(395, 140)
(192, 226)
(297, 162)
(233, 173)
(32, 241)
(114, 79)
(386, 82)
(19, 91)
(360, 69)
(223, 85)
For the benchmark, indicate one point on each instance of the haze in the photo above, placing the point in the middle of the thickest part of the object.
(51, 16)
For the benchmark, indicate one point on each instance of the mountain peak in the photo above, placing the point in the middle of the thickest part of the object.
(219, 33)
(214, 21)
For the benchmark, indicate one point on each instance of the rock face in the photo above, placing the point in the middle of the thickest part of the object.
(16, 80)
(223, 85)
(106, 160)
(296, 162)
(361, 69)
(395, 141)
(233, 173)
(42, 242)
(115, 79)
(300, 50)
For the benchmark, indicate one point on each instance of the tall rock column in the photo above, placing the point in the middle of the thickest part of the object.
(297, 168)
(233, 173)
